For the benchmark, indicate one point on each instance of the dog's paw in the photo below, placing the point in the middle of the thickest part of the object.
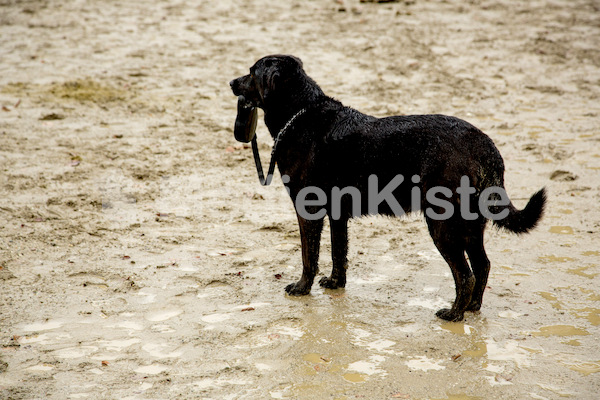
(297, 289)
(329, 282)
(450, 315)
(473, 306)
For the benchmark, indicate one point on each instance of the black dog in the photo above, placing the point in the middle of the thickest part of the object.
(324, 146)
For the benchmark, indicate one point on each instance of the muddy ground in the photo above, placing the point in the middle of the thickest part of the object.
(140, 258)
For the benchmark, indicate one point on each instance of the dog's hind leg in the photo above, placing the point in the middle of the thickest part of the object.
(480, 265)
(310, 235)
(339, 254)
(451, 245)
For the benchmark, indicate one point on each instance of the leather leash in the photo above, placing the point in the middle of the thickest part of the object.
(259, 169)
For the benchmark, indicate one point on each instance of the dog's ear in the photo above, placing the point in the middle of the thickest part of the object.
(290, 66)
(272, 79)
(245, 122)
(296, 62)
(277, 71)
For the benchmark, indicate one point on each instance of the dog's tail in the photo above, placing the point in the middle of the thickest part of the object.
(522, 221)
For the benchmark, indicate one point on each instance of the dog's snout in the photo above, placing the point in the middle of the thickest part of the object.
(235, 86)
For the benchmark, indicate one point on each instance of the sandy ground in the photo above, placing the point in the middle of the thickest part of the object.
(140, 258)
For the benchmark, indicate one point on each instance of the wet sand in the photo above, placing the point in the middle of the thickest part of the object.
(140, 258)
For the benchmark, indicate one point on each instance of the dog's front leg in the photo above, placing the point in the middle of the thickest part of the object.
(310, 235)
(339, 254)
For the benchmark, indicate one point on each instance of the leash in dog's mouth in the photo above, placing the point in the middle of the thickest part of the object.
(245, 131)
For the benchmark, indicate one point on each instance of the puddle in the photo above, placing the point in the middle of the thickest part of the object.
(591, 253)
(557, 390)
(552, 298)
(536, 130)
(581, 272)
(585, 368)
(593, 296)
(554, 259)
(589, 313)
(564, 230)
(479, 351)
(534, 351)
(354, 377)
(560, 330)
(316, 358)
(565, 211)
(458, 328)
(423, 363)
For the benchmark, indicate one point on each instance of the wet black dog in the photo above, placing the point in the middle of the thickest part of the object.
(328, 148)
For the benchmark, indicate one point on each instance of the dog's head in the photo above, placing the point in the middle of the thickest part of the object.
(267, 77)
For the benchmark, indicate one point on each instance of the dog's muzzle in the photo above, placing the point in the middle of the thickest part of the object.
(245, 122)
